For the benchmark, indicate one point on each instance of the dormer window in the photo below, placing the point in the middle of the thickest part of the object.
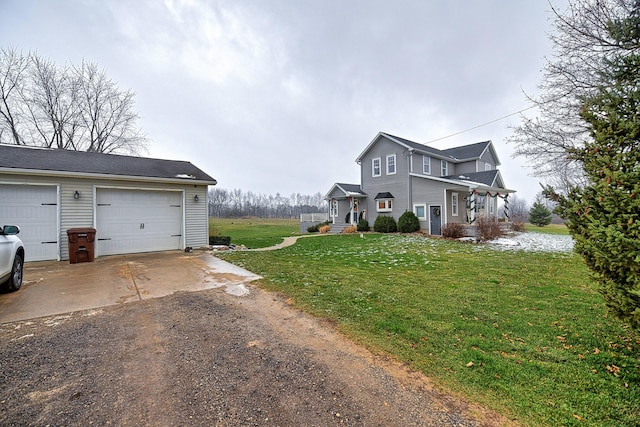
(391, 164)
(445, 167)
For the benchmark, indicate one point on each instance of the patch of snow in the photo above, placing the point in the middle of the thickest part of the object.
(534, 242)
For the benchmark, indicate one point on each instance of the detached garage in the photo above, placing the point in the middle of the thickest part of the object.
(136, 204)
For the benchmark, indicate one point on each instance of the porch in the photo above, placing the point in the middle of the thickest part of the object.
(347, 206)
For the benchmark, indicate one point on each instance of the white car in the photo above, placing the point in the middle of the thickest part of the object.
(11, 257)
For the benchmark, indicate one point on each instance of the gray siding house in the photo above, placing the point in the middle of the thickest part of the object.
(136, 204)
(459, 184)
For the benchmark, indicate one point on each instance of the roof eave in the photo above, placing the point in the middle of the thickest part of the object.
(53, 173)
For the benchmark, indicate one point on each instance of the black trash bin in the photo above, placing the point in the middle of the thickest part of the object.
(81, 242)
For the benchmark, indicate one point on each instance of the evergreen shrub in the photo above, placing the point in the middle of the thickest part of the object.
(385, 224)
(363, 225)
(408, 223)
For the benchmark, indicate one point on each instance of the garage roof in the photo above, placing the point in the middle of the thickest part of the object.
(80, 162)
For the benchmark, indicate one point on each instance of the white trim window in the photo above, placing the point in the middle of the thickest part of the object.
(376, 167)
(391, 164)
(384, 205)
(333, 210)
(454, 204)
(487, 167)
(420, 211)
(445, 167)
(426, 165)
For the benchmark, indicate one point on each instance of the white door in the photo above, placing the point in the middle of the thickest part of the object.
(129, 221)
(34, 208)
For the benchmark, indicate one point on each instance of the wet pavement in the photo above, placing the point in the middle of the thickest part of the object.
(52, 287)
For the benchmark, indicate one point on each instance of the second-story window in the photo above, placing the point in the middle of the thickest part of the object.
(391, 164)
(445, 168)
(426, 165)
(376, 167)
(487, 167)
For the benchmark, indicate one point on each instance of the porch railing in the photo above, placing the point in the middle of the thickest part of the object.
(314, 217)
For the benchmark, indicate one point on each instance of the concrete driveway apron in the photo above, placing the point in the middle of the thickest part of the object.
(52, 287)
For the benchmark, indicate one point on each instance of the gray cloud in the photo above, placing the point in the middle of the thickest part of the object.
(281, 96)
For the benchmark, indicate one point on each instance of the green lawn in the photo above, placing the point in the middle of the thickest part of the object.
(523, 333)
(254, 232)
(549, 229)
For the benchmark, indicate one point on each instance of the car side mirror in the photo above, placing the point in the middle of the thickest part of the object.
(9, 230)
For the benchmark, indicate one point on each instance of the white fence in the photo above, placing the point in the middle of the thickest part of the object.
(314, 217)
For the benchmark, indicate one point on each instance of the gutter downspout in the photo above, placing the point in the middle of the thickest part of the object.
(410, 181)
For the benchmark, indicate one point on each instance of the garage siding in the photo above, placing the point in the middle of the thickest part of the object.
(80, 212)
(74, 212)
(197, 224)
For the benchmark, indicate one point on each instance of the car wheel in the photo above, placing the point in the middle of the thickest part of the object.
(15, 281)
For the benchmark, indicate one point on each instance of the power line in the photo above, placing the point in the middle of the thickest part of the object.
(479, 126)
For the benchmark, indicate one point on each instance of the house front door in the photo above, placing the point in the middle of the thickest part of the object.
(435, 220)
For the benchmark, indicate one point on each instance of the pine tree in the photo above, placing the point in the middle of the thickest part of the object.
(539, 215)
(604, 216)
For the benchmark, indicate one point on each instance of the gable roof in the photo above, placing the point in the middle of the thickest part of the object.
(349, 190)
(471, 151)
(456, 154)
(15, 158)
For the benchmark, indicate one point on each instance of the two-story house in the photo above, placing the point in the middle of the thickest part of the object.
(458, 184)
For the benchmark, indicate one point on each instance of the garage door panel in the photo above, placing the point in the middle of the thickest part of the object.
(34, 209)
(131, 221)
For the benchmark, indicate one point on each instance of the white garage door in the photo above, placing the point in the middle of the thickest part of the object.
(129, 221)
(34, 208)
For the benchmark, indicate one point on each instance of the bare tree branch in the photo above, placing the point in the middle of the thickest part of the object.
(582, 44)
(73, 108)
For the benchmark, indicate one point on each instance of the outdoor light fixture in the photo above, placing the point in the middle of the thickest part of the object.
(76, 195)
(195, 198)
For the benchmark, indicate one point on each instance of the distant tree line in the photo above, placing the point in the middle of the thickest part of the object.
(70, 107)
(236, 203)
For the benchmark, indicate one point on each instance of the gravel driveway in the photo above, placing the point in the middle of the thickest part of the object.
(209, 358)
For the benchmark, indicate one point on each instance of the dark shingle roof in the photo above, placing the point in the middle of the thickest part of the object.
(487, 177)
(351, 188)
(416, 146)
(470, 151)
(385, 195)
(37, 159)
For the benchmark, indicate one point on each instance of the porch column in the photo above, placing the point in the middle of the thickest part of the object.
(472, 207)
(351, 202)
(506, 206)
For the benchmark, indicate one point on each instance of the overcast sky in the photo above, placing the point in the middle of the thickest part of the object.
(282, 95)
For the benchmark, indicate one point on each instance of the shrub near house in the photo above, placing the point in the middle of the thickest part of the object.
(408, 223)
(385, 224)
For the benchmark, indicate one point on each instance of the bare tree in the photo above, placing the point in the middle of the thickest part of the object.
(107, 113)
(75, 108)
(582, 45)
(518, 209)
(52, 104)
(13, 70)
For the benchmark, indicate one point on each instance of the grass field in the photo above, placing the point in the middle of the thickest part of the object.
(254, 232)
(549, 229)
(526, 334)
